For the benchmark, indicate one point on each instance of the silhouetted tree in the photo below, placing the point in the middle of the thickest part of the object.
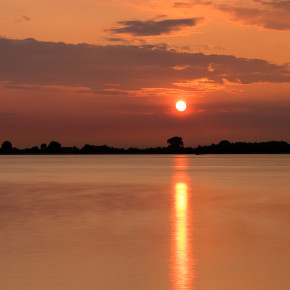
(6, 146)
(224, 146)
(175, 146)
(225, 143)
(54, 147)
(175, 142)
(43, 146)
(33, 150)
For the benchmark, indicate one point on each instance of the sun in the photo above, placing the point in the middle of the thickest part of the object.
(181, 106)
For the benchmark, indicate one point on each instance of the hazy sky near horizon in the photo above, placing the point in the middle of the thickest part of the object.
(111, 71)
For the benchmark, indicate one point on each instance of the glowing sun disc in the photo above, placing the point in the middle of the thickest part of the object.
(180, 106)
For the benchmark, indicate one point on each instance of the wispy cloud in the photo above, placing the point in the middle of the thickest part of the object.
(22, 18)
(205, 85)
(191, 4)
(153, 27)
(181, 67)
(272, 15)
(269, 15)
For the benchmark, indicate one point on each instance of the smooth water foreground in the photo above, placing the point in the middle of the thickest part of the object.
(145, 222)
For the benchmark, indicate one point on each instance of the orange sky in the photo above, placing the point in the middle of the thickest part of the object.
(110, 71)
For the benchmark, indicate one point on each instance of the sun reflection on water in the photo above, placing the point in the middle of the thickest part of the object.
(181, 243)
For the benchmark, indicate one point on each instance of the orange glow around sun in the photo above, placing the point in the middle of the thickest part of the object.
(181, 106)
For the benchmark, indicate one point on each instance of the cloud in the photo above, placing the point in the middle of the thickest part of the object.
(152, 27)
(115, 39)
(181, 67)
(191, 4)
(269, 15)
(275, 4)
(207, 86)
(33, 62)
(8, 117)
(209, 47)
(23, 18)
(272, 15)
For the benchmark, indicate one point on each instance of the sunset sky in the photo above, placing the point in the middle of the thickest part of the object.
(110, 71)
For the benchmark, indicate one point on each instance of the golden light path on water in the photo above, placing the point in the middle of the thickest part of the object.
(181, 243)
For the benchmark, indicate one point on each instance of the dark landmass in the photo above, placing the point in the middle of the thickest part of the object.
(175, 146)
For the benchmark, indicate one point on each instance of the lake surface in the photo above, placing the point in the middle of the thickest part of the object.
(146, 222)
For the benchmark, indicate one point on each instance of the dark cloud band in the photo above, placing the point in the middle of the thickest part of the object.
(133, 67)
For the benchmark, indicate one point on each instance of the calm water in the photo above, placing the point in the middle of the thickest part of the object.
(145, 222)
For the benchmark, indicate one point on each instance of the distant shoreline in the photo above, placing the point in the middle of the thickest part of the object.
(175, 147)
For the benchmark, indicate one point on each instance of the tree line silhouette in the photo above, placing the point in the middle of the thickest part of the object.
(175, 146)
